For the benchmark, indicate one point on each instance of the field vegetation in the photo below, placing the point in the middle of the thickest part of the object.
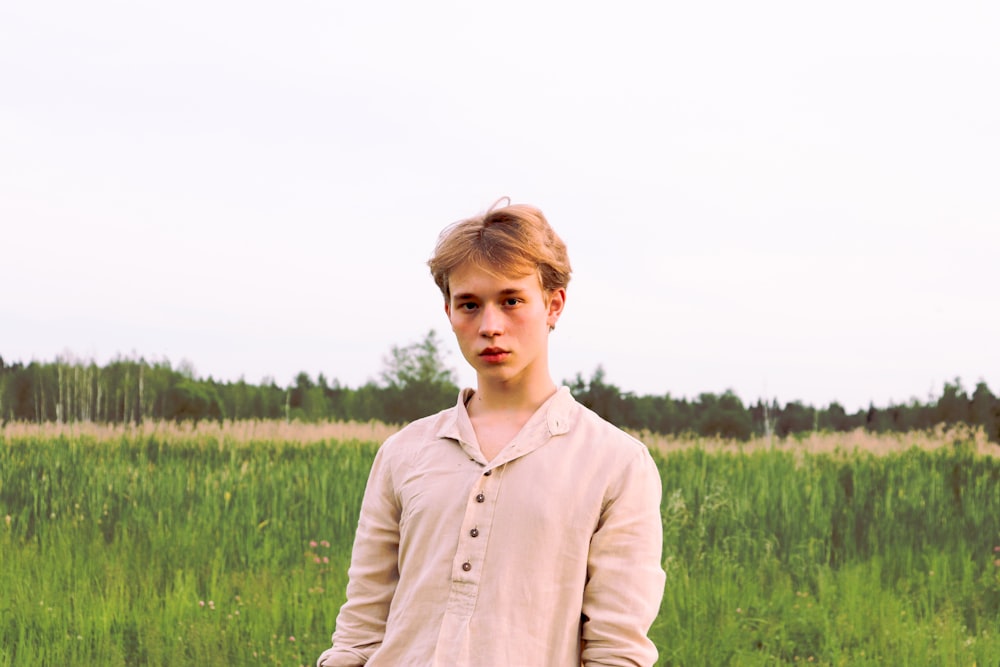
(175, 544)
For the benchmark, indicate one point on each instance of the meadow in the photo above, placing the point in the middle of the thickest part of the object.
(228, 545)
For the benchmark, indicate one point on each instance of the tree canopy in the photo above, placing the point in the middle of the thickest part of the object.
(415, 381)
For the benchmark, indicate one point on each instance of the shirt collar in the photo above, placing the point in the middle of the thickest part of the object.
(552, 418)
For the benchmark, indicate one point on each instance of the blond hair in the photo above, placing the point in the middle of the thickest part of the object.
(511, 240)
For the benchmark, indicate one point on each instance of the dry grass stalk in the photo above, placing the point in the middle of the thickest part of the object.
(245, 431)
(239, 432)
(839, 444)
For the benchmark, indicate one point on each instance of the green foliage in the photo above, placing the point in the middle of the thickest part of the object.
(605, 399)
(778, 558)
(194, 401)
(166, 550)
(724, 416)
(419, 363)
(415, 381)
(984, 409)
(953, 406)
(148, 552)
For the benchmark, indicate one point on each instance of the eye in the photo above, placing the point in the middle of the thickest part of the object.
(511, 301)
(467, 306)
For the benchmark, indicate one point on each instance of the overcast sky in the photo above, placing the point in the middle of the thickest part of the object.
(792, 200)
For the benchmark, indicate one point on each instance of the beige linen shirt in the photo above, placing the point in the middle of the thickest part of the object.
(459, 561)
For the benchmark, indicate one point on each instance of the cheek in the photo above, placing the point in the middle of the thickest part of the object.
(459, 324)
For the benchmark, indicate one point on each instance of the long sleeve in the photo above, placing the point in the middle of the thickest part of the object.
(372, 576)
(625, 576)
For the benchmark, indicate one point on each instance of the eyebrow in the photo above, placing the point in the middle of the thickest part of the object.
(504, 292)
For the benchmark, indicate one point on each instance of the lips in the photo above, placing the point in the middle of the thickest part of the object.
(494, 354)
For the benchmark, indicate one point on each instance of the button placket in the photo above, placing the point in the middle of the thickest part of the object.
(475, 529)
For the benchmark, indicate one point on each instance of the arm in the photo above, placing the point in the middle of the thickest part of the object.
(625, 574)
(372, 575)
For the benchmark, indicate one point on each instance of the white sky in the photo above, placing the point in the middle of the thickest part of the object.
(788, 199)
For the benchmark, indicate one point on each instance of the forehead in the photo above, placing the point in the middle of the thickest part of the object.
(471, 279)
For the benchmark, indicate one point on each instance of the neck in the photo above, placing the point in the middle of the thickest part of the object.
(503, 397)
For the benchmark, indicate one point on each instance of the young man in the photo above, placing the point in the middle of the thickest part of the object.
(518, 528)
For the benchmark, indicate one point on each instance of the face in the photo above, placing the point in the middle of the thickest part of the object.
(502, 323)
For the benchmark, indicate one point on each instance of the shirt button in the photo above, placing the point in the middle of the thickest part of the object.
(480, 498)
(466, 566)
(474, 532)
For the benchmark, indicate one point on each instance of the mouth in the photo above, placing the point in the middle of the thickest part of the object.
(494, 355)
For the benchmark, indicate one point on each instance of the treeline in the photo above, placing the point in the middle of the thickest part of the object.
(726, 415)
(415, 382)
(412, 384)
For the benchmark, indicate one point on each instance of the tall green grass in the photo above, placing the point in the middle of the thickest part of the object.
(139, 552)
(174, 549)
(774, 557)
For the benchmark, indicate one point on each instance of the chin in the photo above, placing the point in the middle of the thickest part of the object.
(495, 372)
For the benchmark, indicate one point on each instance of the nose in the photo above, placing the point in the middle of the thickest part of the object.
(491, 323)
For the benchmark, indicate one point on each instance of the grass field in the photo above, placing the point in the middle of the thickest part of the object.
(167, 545)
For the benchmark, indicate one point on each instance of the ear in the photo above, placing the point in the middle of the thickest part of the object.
(557, 301)
(447, 308)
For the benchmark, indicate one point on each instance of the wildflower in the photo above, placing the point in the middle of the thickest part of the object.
(996, 563)
(326, 544)
(292, 638)
(317, 560)
(201, 603)
(996, 550)
(313, 544)
(7, 519)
